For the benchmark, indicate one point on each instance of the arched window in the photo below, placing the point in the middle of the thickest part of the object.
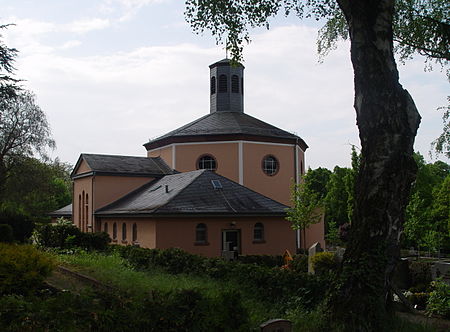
(124, 232)
(223, 83)
(270, 165)
(213, 85)
(242, 85)
(134, 232)
(201, 233)
(114, 231)
(207, 162)
(301, 167)
(105, 227)
(79, 210)
(258, 232)
(83, 216)
(235, 84)
(87, 209)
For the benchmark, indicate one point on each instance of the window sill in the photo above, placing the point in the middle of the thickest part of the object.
(201, 243)
(114, 240)
(258, 241)
(124, 241)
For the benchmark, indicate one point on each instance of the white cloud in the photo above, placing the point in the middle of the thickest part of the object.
(115, 103)
(70, 44)
(88, 24)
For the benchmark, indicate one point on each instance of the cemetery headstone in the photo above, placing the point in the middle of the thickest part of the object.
(276, 325)
(314, 249)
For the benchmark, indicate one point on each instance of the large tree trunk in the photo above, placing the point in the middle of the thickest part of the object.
(388, 120)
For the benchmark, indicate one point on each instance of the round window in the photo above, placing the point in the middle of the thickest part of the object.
(270, 165)
(207, 162)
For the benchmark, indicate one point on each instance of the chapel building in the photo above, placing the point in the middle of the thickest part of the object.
(218, 184)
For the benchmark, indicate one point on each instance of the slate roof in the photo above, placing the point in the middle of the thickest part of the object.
(192, 193)
(226, 123)
(64, 211)
(124, 165)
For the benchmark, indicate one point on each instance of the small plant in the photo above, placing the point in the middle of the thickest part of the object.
(439, 300)
(22, 268)
(299, 264)
(324, 262)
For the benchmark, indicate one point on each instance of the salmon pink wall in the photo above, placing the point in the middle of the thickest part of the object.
(279, 236)
(226, 155)
(276, 186)
(146, 236)
(82, 187)
(83, 168)
(165, 153)
(109, 188)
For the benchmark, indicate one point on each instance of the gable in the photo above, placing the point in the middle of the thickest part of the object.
(83, 167)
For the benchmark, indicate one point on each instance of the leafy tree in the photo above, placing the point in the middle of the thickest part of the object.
(24, 131)
(37, 188)
(317, 179)
(387, 119)
(306, 208)
(442, 143)
(336, 201)
(8, 85)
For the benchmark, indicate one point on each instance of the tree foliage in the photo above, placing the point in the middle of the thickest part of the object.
(24, 131)
(306, 207)
(36, 187)
(441, 145)
(8, 86)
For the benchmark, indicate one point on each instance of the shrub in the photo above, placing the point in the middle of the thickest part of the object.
(324, 262)
(6, 233)
(420, 274)
(299, 264)
(21, 224)
(439, 300)
(268, 284)
(22, 268)
(262, 260)
(90, 241)
(55, 235)
(64, 234)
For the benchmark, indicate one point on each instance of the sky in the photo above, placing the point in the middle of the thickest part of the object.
(112, 74)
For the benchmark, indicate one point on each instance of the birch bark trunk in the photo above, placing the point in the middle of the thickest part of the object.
(388, 121)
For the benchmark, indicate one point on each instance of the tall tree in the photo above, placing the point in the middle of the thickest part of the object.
(8, 85)
(306, 208)
(387, 119)
(24, 131)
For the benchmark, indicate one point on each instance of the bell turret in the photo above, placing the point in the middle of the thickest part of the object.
(226, 87)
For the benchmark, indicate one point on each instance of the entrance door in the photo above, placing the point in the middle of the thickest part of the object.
(231, 240)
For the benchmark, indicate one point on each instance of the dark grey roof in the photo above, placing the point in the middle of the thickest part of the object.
(125, 165)
(227, 123)
(64, 211)
(193, 193)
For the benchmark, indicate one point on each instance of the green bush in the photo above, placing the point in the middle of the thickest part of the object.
(21, 224)
(22, 268)
(182, 310)
(324, 262)
(262, 260)
(300, 263)
(64, 235)
(439, 300)
(268, 284)
(6, 233)
(420, 276)
(55, 235)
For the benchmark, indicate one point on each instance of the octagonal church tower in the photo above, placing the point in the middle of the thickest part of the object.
(236, 145)
(232, 143)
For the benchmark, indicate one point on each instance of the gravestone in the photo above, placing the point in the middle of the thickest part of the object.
(339, 254)
(314, 249)
(276, 325)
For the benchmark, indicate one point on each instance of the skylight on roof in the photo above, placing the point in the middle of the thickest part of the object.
(216, 184)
